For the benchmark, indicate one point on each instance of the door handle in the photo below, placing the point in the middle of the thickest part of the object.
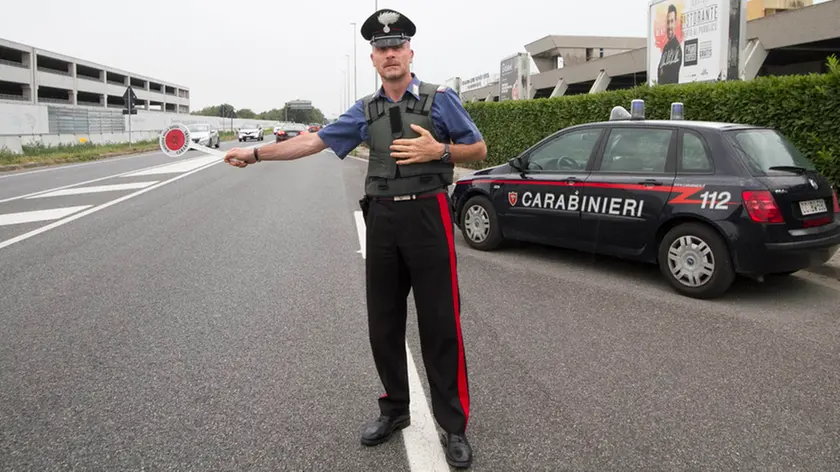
(571, 180)
(650, 182)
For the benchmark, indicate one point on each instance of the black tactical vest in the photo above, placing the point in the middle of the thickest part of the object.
(385, 177)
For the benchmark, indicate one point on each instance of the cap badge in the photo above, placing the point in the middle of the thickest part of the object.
(387, 18)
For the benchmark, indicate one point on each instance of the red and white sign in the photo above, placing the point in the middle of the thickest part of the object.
(175, 140)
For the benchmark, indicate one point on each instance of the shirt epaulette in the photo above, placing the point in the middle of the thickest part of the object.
(441, 89)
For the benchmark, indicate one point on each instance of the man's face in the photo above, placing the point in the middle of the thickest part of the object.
(672, 24)
(392, 63)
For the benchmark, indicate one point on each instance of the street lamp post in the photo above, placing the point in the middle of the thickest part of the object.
(355, 68)
(349, 95)
(343, 91)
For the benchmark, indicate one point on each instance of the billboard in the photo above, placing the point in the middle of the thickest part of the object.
(695, 40)
(478, 81)
(515, 77)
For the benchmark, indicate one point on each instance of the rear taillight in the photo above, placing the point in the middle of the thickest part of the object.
(762, 207)
(836, 203)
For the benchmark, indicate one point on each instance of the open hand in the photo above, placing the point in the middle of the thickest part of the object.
(422, 149)
(239, 157)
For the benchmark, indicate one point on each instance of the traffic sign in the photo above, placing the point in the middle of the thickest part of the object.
(130, 99)
(175, 140)
(300, 105)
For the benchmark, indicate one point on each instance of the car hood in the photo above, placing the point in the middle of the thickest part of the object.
(249, 130)
(499, 169)
(199, 134)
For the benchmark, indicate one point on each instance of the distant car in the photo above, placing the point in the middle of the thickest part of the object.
(703, 200)
(289, 130)
(251, 131)
(205, 135)
(314, 127)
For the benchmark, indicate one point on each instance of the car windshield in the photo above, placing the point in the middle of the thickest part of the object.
(199, 128)
(768, 151)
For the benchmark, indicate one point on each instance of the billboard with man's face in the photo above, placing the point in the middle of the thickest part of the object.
(695, 40)
(515, 77)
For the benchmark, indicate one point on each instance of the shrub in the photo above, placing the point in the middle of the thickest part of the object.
(803, 107)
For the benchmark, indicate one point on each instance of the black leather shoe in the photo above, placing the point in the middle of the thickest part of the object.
(458, 451)
(379, 430)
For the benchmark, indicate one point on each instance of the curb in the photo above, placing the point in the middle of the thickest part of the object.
(826, 270)
(32, 165)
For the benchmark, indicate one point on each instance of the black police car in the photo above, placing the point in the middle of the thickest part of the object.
(704, 200)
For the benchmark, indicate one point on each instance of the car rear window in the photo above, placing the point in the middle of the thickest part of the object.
(763, 149)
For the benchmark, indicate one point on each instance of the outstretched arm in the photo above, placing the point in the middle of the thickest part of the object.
(295, 148)
(342, 136)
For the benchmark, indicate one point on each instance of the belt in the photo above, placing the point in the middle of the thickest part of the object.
(410, 196)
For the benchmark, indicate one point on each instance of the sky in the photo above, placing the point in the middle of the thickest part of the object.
(259, 55)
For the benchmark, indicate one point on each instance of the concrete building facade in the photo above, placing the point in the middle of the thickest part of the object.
(780, 41)
(36, 76)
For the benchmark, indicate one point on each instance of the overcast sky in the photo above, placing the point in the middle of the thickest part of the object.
(259, 55)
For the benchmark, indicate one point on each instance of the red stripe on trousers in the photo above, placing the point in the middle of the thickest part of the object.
(463, 393)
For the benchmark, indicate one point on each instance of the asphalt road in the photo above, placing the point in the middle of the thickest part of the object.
(217, 322)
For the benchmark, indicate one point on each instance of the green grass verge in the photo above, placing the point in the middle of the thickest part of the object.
(40, 155)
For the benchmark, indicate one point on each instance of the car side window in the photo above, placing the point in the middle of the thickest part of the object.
(636, 150)
(567, 152)
(694, 157)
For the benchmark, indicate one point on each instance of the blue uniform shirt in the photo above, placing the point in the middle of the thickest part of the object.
(451, 122)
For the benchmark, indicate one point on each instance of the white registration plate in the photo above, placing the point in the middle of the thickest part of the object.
(812, 207)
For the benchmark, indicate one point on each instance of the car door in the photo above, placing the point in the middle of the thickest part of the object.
(542, 205)
(628, 188)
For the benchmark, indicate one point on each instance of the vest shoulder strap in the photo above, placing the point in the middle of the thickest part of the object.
(366, 104)
(374, 107)
(427, 97)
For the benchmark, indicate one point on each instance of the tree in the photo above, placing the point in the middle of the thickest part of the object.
(313, 115)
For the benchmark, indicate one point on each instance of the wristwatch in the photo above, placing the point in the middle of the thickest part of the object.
(446, 156)
(256, 155)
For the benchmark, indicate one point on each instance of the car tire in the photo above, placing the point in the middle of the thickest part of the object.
(487, 222)
(681, 261)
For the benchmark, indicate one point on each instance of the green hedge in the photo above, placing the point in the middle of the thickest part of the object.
(803, 107)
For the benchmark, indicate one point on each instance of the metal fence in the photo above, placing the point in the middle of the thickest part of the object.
(67, 120)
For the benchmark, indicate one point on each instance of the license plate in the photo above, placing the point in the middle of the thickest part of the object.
(812, 207)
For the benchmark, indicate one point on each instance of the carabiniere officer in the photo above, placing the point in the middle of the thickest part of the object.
(416, 132)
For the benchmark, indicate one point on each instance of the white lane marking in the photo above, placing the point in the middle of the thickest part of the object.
(360, 230)
(39, 215)
(184, 166)
(94, 189)
(58, 223)
(77, 184)
(422, 443)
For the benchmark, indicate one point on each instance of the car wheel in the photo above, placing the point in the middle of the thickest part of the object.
(480, 225)
(695, 260)
(218, 142)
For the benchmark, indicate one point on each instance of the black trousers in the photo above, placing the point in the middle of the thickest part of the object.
(410, 245)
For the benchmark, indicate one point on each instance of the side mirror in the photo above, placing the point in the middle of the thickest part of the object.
(517, 164)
